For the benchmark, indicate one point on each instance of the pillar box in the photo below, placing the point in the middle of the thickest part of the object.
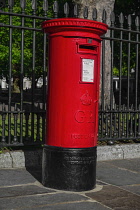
(69, 155)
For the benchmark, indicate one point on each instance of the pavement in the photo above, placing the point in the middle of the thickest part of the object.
(118, 187)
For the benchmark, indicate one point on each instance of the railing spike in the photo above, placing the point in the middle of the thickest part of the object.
(55, 9)
(129, 20)
(34, 4)
(86, 12)
(45, 5)
(121, 18)
(137, 21)
(66, 9)
(112, 17)
(104, 17)
(94, 14)
(76, 11)
(23, 4)
(11, 3)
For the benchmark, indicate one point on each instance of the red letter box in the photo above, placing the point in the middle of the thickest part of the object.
(69, 157)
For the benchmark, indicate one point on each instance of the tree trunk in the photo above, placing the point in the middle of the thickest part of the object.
(100, 5)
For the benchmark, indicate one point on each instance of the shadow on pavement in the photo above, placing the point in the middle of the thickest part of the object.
(33, 163)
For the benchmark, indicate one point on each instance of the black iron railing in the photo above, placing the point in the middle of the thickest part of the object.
(24, 54)
(119, 117)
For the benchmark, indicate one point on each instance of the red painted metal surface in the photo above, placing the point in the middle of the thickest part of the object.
(73, 84)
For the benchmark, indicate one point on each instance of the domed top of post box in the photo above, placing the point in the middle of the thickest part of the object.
(74, 27)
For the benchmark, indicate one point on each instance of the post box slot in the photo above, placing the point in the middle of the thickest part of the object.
(87, 48)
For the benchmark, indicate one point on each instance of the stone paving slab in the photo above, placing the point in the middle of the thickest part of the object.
(9, 177)
(36, 201)
(73, 206)
(132, 188)
(130, 164)
(111, 174)
(116, 198)
(23, 190)
(118, 187)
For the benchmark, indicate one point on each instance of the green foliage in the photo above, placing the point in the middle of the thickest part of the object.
(28, 39)
(5, 149)
(115, 71)
(127, 63)
(17, 39)
(126, 7)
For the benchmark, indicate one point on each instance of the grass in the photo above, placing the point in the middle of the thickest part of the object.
(27, 126)
(5, 149)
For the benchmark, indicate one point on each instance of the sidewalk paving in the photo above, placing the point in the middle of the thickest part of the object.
(118, 187)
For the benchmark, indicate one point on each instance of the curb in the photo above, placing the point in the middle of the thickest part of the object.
(33, 158)
(118, 152)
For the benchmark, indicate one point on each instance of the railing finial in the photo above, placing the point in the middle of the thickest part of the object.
(121, 19)
(137, 22)
(45, 5)
(94, 14)
(10, 3)
(112, 18)
(55, 9)
(104, 17)
(85, 12)
(66, 9)
(34, 4)
(129, 21)
(76, 11)
(23, 4)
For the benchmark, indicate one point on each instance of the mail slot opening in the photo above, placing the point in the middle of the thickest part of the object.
(83, 48)
(87, 47)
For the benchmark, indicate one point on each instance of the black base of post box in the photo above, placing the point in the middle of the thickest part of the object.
(69, 169)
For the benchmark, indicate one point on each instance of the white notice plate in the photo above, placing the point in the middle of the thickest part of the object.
(87, 70)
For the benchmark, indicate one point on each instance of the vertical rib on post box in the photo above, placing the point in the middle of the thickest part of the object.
(69, 156)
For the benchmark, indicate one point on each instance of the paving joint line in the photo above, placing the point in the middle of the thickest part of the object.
(132, 185)
(20, 185)
(127, 190)
(98, 180)
(123, 152)
(30, 195)
(54, 204)
(12, 161)
(104, 205)
(124, 169)
(121, 187)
